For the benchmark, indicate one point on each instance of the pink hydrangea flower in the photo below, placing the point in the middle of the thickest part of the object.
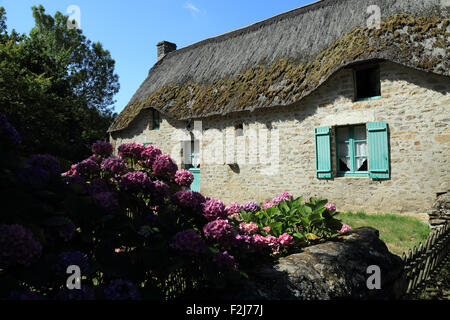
(233, 208)
(282, 197)
(268, 204)
(258, 241)
(286, 239)
(214, 209)
(248, 228)
(266, 229)
(344, 228)
(184, 178)
(330, 207)
(72, 171)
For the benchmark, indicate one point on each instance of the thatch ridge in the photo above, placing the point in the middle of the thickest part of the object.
(199, 92)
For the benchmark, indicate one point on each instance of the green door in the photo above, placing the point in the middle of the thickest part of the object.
(195, 186)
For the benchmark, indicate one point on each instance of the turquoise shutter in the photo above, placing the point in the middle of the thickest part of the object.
(323, 153)
(377, 138)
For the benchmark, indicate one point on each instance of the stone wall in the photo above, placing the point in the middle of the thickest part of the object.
(415, 105)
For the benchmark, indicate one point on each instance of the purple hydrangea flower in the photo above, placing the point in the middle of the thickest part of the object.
(34, 176)
(18, 246)
(244, 241)
(114, 165)
(225, 261)
(158, 191)
(136, 181)
(214, 209)
(97, 186)
(69, 258)
(102, 148)
(130, 150)
(85, 293)
(149, 154)
(251, 206)
(8, 134)
(221, 231)
(121, 290)
(66, 231)
(233, 208)
(24, 295)
(189, 243)
(46, 162)
(96, 158)
(189, 199)
(107, 201)
(164, 166)
(184, 178)
(87, 167)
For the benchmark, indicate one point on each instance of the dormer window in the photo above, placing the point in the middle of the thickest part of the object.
(155, 119)
(367, 83)
(239, 129)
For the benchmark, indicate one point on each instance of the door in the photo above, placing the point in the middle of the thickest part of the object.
(192, 162)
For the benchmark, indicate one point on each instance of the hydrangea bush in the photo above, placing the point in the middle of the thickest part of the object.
(132, 226)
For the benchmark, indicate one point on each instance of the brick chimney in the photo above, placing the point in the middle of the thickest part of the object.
(164, 47)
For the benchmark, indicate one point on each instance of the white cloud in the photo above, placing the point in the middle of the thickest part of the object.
(193, 9)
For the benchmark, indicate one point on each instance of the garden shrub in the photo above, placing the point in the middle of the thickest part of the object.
(132, 226)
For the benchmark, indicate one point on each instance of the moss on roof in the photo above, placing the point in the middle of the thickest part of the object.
(418, 42)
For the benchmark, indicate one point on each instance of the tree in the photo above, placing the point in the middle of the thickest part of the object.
(56, 86)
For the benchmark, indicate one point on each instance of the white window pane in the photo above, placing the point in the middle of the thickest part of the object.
(360, 133)
(360, 149)
(343, 150)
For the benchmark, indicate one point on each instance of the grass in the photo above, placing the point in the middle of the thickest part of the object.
(400, 233)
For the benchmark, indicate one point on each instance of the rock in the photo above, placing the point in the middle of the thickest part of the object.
(440, 212)
(336, 269)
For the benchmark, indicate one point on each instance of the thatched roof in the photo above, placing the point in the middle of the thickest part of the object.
(280, 60)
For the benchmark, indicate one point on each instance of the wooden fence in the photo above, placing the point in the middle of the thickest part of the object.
(421, 262)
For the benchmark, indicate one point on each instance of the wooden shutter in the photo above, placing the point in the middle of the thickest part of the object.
(323, 153)
(377, 138)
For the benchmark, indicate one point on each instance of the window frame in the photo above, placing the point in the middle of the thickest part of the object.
(353, 157)
(355, 82)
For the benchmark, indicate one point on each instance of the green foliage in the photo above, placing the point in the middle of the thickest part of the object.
(305, 221)
(56, 86)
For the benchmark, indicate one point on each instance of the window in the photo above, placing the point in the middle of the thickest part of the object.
(367, 83)
(361, 150)
(155, 119)
(351, 150)
(239, 129)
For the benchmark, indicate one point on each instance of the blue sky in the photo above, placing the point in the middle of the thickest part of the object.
(131, 29)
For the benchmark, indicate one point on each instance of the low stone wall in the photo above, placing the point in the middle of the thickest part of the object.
(439, 214)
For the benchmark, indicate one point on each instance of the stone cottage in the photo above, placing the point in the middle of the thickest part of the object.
(347, 100)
